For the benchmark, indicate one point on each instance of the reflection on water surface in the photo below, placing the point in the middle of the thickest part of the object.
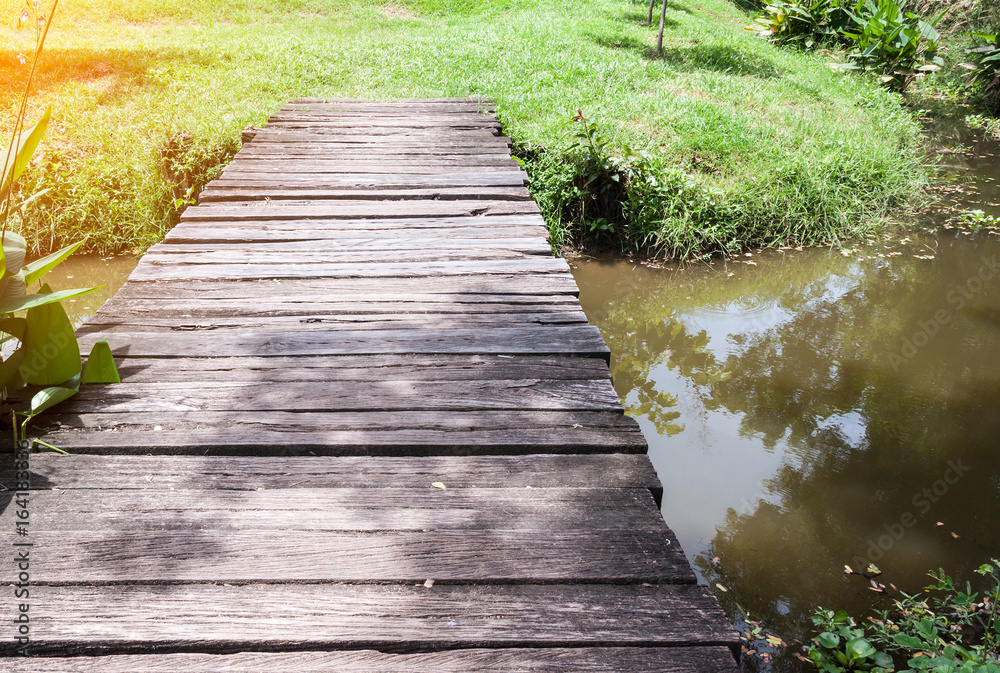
(811, 410)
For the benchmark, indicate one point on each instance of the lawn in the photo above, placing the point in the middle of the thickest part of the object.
(149, 98)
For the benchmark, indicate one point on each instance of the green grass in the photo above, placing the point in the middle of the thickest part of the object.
(782, 148)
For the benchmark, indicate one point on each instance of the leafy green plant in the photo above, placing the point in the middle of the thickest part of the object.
(808, 24)
(889, 40)
(985, 75)
(47, 353)
(944, 629)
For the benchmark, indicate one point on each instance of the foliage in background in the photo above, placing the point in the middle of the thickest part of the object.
(944, 629)
(889, 40)
(985, 71)
(879, 35)
(151, 97)
(807, 24)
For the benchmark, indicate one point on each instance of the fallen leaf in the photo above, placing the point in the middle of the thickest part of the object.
(438, 484)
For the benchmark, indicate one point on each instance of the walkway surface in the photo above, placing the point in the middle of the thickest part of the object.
(364, 425)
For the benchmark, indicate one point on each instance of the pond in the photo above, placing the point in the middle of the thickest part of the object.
(811, 409)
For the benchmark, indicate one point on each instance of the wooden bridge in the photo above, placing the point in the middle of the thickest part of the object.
(364, 425)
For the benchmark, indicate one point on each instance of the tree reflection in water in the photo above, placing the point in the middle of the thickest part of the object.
(877, 382)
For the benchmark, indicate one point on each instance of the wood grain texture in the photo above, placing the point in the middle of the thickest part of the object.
(250, 473)
(701, 659)
(218, 618)
(296, 556)
(343, 509)
(582, 340)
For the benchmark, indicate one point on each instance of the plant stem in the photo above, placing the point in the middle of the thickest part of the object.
(19, 120)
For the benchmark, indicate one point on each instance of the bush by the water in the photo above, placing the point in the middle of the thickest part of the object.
(947, 628)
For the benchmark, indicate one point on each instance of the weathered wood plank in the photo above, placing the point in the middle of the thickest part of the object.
(358, 209)
(220, 194)
(435, 288)
(700, 659)
(481, 395)
(362, 305)
(190, 233)
(338, 509)
(217, 618)
(300, 149)
(612, 470)
(299, 163)
(109, 323)
(386, 180)
(353, 241)
(333, 255)
(361, 368)
(583, 340)
(207, 272)
(154, 557)
(400, 226)
(317, 170)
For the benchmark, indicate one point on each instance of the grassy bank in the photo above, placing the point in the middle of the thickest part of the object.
(756, 145)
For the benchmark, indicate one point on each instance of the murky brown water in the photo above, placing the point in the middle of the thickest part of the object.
(80, 271)
(815, 410)
(810, 410)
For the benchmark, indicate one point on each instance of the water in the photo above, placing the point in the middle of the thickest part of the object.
(808, 410)
(82, 271)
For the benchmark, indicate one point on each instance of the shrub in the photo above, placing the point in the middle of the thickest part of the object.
(889, 40)
(945, 629)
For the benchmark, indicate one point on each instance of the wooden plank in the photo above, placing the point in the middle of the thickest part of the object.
(318, 170)
(400, 226)
(527, 264)
(217, 194)
(430, 133)
(375, 180)
(526, 394)
(218, 618)
(353, 241)
(358, 305)
(358, 209)
(302, 149)
(394, 125)
(191, 233)
(388, 162)
(533, 286)
(701, 659)
(338, 509)
(583, 340)
(152, 557)
(122, 472)
(585, 427)
(331, 255)
(123, 438)
(361, 368)
(471, 139)
(112, 324)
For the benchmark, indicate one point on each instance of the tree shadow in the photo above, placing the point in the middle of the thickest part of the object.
(716, 58)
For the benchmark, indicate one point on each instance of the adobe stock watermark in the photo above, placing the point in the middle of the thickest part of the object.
(923, 500)
(957, 296)
(21, 551)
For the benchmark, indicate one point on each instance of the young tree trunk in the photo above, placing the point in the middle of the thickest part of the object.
(663, 20)
(649, 21)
